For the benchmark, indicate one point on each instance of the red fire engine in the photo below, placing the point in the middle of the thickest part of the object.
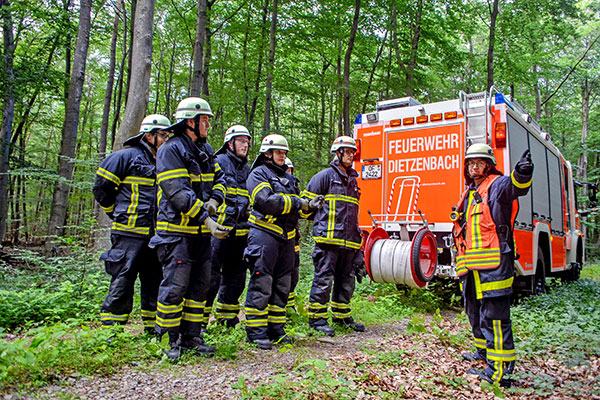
(410, 168)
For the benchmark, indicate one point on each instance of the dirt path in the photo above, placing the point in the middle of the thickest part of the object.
(385, 361)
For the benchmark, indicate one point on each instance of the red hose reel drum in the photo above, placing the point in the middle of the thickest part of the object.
(411, 263)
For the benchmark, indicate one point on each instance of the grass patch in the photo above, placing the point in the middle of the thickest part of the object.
(565, 322)
(591, 271)
(65, 349)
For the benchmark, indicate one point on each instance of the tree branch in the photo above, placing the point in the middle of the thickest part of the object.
(572, 69)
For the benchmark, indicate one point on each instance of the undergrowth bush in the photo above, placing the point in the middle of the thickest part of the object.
(40, 289)
(566, 320)
(54, 352)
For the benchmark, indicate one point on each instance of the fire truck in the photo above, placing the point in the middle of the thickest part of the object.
(410, 164)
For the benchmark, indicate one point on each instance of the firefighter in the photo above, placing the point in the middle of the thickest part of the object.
(276, 208)
(291, 304)
(485, 256)
(191, 187)
(228, 278)
(337, 256)
(125, 188)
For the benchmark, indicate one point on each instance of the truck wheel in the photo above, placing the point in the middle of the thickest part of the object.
(539, 280)
(572, 274)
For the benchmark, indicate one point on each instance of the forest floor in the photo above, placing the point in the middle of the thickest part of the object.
(414, 358)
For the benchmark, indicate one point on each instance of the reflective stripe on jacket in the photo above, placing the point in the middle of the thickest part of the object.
(125, 188)
(188, 176)
(486, 245)
(337, 221)
(233, 213)
(276, 205)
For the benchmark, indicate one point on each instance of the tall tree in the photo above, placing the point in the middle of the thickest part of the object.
(58, 211)
(199, 42)
(111, 79)
(346, 109)
(491, 43)
(139, 88)
(9, 110)
(415, 36)
(270, 65)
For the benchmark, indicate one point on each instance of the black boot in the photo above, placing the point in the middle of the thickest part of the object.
(285, 339)
(350, 323)
(321, 325)
(475, 356)
(505, 383)
(197, 345)
(174, 351)
(263, 344)
(230, 322)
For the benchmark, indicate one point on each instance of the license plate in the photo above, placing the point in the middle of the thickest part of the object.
(371, 171)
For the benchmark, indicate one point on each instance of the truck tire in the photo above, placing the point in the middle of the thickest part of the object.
(539, 279)
(573, 274)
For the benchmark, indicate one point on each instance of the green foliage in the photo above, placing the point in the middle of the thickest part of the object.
(47, 290)
(566, 320)
(53, 352)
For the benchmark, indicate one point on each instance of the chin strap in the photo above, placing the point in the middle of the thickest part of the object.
(152, 145)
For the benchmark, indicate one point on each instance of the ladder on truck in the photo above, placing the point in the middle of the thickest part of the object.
(476, 108)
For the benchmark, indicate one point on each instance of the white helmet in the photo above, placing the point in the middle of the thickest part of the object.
(273, 142)
(154, 122)
(341, 142)
(236, 130)
(150, 124)
(289, 163)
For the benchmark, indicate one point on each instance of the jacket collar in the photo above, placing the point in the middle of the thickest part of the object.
(335, 164)
(235, 158)
(276, 168)
(147, 151)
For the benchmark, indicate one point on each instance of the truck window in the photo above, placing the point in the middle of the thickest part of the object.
(556, 206)
(540, 187)
(518, 142)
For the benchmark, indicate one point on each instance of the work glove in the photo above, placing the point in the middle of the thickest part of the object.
(218, 231)
(360, 271)
(304, 204)
(317, 202)
(211, 206)
(525, 166)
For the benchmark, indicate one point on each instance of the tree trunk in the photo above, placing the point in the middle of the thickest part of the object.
(132, 28)
(490, 55)
(67, 42)
(538, 95)
(8, 112)
(120, 81)
(346, 108)
(58, 211)
(251, 114)
(372, 74)
(583, 158)
(207, 55)
(169, 88)
(271, 62)
(110, 82)
(139, 89)
(198, 62)
(415, 27)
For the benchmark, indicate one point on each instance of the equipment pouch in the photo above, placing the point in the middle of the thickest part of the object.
(112, 259)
